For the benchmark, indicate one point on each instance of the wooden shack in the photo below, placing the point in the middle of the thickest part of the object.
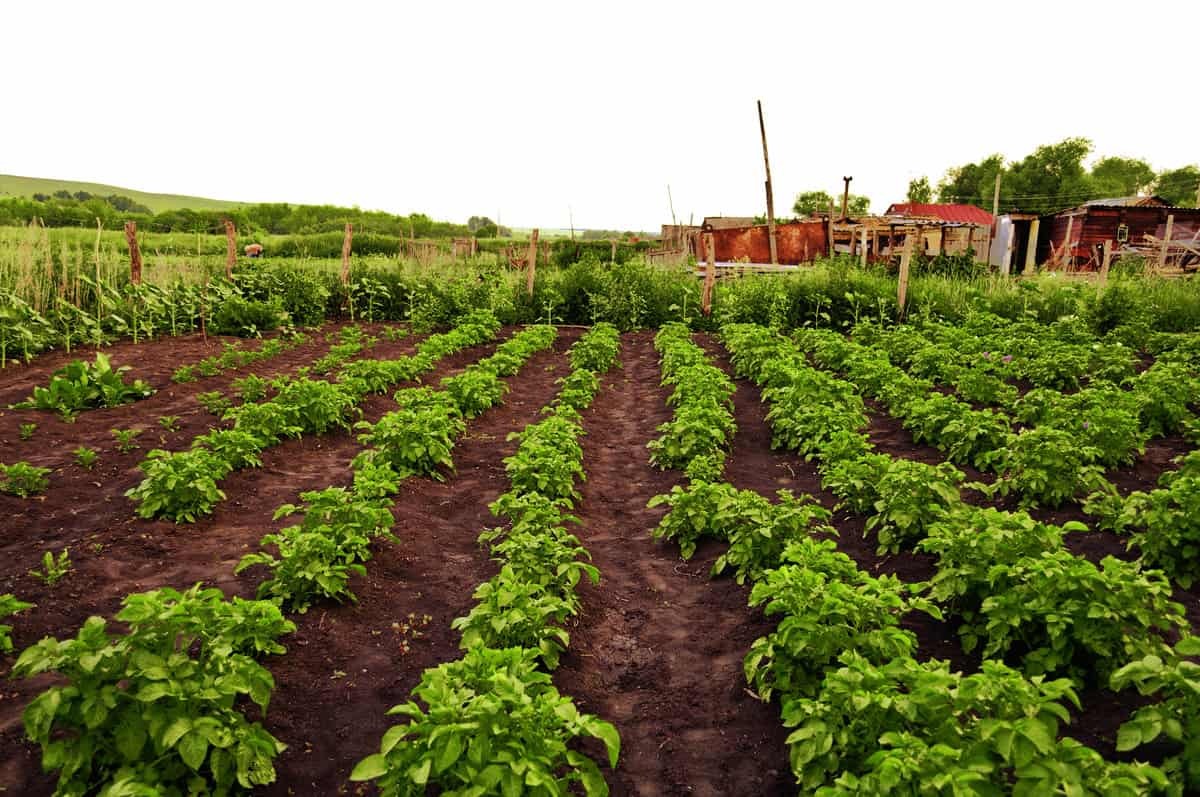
(1138, 225)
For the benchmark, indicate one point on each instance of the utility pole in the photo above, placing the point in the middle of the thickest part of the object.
(846, 198)
(987, 256)
(996, 199)
(671, 204)
(762, 129)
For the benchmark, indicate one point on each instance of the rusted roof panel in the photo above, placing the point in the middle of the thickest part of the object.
(962, 214)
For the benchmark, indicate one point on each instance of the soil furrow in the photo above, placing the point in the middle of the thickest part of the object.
(658, 651)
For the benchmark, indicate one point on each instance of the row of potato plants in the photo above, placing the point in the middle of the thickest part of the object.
(155, 710)
(315, 559)
(182, 486)
(236, 355)
(493, 722)
(1068, 439)
(701, 426)
(81, 385)
(1007, 579)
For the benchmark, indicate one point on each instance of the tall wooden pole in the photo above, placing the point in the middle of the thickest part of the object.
(531, 266)
(846, 197)
(1031, 246)
(996, 198)
(135, 253)
(230, 248)
(1106, 262)
(710, 273)
(346, 241)
(1068, 259)
(830, 241)
(762, 129)
(864, 246)
(987, 254)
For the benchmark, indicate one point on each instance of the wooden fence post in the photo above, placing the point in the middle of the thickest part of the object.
(531, 266)
(230, 248)
(1166, 242)
(1067, 248)
(612, 258)
(1106, 262)
(864, 246)
(346, 253)
(902, 283)
(135, 254)
(710, 273)
(1031, 246)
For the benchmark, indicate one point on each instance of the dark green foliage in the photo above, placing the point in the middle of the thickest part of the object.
(80, 385)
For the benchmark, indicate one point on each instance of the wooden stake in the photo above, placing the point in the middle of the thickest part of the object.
(762, 129)
(846, 197)
(1106, 262)
(230, 248)
(531, 266)
(902, 283)
(135, 253)
(710, 274)
(612, 258)
(831, 228)
(346, 253)
(1166, 242)
(864, 246)
(1068, 260)
(99, 287)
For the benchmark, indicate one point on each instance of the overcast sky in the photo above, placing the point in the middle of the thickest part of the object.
(527, 109)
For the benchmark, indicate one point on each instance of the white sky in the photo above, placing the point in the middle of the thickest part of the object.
(524, 109)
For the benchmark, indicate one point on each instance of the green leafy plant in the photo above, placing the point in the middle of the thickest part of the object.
(179, 486)
(475, 390)
(418, 438)
(511, 612)
(80, 385)
(494, 724)
(54, 568)
(155, 710)
(169, 423)
(26, 430)
(125, 438)
(86, 457)
(705, 509)
(9, 606)
(250, 388)
(214, 401)
(22, 479)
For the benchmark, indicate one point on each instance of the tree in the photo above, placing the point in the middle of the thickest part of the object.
(971, 183)
(1118, 177)
(920, 191)
(810, 202)
(1178, 186)
(475, 223)
(1051, 178)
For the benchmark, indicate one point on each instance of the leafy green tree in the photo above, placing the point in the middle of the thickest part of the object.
(920, 191)
(1050, 178)
(810, 202)
(971, 183)
(1179, 186)
(1117, 177)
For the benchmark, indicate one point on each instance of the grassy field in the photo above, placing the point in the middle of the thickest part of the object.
(12, 185)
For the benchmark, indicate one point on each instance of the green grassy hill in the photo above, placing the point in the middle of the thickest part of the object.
(12, 185)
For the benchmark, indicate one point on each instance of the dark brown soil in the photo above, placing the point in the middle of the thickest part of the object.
(114, 553)
(659, 649)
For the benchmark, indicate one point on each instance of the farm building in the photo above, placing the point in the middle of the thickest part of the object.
(1074, 239)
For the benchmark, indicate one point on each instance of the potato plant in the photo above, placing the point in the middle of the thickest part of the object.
(80, 385)
(22, 479)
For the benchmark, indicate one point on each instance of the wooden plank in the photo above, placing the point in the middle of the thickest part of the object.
(1166, 242)
(346, 238)
(1068, 258)
(1031, 246)
(230, 248)
(863, 258)
(762, 128)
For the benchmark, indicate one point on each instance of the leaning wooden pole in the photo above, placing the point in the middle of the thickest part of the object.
(135, 253)
(902, 283)
(762, 129)
(531, 265)
(1166, 243)
(230, 248)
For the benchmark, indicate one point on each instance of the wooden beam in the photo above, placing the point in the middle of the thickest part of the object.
(762, 129)
(830, 228)
(531, 265)
(135, 253)
(1106, 262)
(863, 258)
(1031, 246)
(846, 196)
(1068, 259)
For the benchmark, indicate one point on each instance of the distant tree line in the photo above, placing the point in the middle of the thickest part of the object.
(81, 209)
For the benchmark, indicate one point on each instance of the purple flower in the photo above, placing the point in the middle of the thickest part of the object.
(987, 354)
(1086, 424)
(1007, 358)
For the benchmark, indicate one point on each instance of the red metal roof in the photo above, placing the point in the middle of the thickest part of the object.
(961, 214)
